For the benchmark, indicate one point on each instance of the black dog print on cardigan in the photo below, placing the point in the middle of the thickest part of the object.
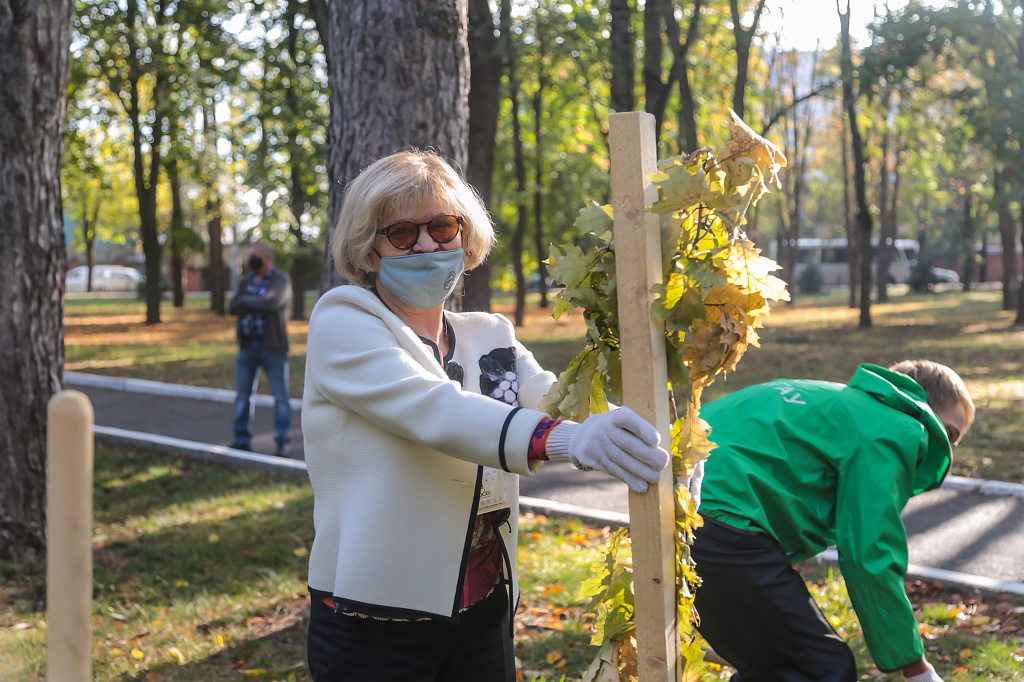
(499, 375)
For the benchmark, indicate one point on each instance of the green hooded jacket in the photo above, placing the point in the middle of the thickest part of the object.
(815, 464)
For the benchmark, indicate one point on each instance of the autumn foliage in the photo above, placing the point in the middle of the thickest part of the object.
(715, 293)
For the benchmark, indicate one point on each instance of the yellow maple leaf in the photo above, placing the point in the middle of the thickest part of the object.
(747, 268)
(745, 142)
(628, 659)
(693, 442)
(138, 654)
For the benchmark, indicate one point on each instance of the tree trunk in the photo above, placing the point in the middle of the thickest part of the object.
(399, 77)
(35, 52)
(177, 227)
(300, 262)
(1019, 320)
(214, 216)
(623, 69)
(687, 116)
(744, 37)
(851, 234)
(146, 181)
(214, 230)
(656, 89)
(1008, 240)
(968, 243)
(538, 186)
(887, 219)
(519, 236)
(859, 182)
(484, 103)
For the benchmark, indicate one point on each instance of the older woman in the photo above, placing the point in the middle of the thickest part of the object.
(417, 423)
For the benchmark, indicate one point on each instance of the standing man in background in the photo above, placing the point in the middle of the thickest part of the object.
(261, 304)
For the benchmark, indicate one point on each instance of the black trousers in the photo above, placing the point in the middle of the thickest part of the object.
(477, 648)
(756, 613)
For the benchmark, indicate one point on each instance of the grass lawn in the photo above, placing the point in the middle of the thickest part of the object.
(199, 575)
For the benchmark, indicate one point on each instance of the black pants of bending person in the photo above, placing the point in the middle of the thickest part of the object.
(477, 648)
(756, 613)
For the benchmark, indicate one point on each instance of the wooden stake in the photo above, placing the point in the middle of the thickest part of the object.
(645, 389)
(69, 457)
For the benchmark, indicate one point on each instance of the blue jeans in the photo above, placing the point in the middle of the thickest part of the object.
(275, 365)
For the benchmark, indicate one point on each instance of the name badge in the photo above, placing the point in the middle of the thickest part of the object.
(493, 490)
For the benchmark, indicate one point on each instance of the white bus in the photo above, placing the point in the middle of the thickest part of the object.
(831, 256)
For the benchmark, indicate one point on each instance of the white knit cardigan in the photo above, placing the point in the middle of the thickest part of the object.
(394, 450)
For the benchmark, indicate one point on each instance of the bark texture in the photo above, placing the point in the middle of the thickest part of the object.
(399, 73)
(35, 40)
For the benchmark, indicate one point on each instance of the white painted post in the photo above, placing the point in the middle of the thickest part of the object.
(645, 389)
(69, 459)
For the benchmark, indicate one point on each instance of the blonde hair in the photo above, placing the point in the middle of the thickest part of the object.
(943, 386)
(405, 180)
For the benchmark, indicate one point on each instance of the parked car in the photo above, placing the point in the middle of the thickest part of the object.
(945, 275)
(104, 278)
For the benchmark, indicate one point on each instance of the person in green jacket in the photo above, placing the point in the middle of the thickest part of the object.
(804, 465)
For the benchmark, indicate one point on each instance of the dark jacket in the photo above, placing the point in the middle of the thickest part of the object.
(274, 307)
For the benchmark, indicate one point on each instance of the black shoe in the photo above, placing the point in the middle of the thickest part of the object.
(241, 446)
(282, 450)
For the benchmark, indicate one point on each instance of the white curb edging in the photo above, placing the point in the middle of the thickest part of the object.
(221, 454)
(220, 395)
(941, 575)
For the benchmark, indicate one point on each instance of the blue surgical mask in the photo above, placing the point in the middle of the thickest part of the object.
(423, 280)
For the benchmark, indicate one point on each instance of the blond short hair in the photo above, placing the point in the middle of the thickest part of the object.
(943, 386)
(405, 180)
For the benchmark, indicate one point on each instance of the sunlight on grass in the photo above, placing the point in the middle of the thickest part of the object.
(200, 573)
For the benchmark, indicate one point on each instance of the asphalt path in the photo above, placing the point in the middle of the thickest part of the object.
(969, 532)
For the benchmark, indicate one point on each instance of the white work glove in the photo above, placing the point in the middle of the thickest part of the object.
(927, 676)
(620, 443)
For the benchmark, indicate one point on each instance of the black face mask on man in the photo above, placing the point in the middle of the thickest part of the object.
(255, 263)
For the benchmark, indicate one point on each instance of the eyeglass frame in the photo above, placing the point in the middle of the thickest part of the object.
(460, 221)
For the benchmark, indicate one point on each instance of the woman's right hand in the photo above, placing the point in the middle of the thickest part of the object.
(620, 443)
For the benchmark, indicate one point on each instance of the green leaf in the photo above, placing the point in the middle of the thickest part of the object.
(595, 219)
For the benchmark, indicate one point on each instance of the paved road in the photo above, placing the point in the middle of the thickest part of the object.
(969, 532)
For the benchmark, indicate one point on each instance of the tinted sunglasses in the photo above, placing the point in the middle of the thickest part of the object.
(442, 229)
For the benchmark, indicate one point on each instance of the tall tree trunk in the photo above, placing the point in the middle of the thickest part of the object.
(859, 182)
(35, 52)
(300, 261)
(393, 88)
(687, 116)
(175, 237)
(538, 175)
(147, 180)
(214, 216)
(519, 236)
(623, 68)
(883, 257)
(660, 25)
(1008, 240)
(214, 232)
(1019, 320)
(90, 217)
(297, 162)
(852, 250)
(656, 88)
(744, 37)
(484, 103)
(968, 243)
